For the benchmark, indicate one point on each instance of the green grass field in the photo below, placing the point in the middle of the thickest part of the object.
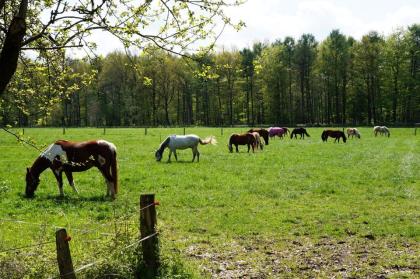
(300, 208)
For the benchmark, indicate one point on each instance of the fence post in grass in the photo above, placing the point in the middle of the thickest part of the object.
(150, 246)
(221, 131)
(65, 264)
(184, 131)
(23, 131)
(145, 131)
(104, 130)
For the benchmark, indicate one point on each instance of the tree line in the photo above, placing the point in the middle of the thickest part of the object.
(339, 80)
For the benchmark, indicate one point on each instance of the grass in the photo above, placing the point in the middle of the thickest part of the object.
(300, 208)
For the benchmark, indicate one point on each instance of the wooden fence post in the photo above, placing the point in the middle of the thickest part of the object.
(184, 131)
(150, 246)
(104, 130)
(145, 131)
(221, 131)
(65, 264)
(64, 130)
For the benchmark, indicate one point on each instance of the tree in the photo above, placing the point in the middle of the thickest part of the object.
(305, 55)
(168, 24)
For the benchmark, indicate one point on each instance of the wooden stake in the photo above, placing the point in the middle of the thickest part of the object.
(150, 246)
(65, 264)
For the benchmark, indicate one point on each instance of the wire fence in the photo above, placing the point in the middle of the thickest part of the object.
(114, 245)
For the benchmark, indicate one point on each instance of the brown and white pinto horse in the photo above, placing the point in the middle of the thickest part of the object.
(241, 139)
(258, 142)
(353, 132)
(68, 157)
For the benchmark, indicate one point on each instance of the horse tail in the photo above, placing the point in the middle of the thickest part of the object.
(210, 139)
(114, 170)
(306, 133)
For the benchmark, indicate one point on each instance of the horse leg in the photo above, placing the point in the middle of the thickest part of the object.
(248, 147)
(69, 176)
(170, 153)
(59, 176)
(176, 157)
(105, 170)
(237, 150)
(194, 151)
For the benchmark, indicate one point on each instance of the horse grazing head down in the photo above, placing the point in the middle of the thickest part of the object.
(32, 183)
(158, 155)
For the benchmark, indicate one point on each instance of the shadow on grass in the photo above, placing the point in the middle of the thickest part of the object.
(67, 199)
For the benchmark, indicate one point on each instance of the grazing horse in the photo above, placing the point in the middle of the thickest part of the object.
(382, 130)
(286, 130)
(334, 134)
(258, 142)
(68, 157)
(263, 133)
(175, 142)
(353, 132)
(277, 131)
(301, 131)
(241, 139)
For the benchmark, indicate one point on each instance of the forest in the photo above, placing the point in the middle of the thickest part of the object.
(290, 81)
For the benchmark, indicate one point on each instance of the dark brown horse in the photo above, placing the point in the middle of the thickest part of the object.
(301, 131)
(333, 134)
(242, 139)
(263, 133)
(68, 157)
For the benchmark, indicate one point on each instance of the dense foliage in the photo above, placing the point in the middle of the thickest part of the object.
(339, 80)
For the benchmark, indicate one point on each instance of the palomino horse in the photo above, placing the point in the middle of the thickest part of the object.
(301, 131)
(258, 142)
(175, 142)
(333, 134)
(68, 157)
(241, 139)
(263, 133)
(277, 131)
(353, 132)
(382, 130)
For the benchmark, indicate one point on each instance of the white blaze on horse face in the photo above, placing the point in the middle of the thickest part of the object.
(53, 151)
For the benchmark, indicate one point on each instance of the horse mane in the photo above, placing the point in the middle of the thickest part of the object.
(164, 144)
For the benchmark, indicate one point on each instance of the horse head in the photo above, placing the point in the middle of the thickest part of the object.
(158, 155)
(32, 183)
(230, 147)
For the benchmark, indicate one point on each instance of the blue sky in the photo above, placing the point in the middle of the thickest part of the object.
(268, 20)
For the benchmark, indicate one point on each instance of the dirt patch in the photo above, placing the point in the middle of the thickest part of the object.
(305, 258)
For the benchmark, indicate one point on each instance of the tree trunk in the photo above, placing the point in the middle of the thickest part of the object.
(12, 45)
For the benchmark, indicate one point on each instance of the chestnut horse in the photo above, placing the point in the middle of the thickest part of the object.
(301, 131)
(263, 133)
(68, 157)
(334, 134)
(241, 139)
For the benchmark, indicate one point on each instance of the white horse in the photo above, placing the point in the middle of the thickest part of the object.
(353, 132)
(382, 130)
(175, 142)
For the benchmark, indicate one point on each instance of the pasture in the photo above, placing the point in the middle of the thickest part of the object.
(299, 208)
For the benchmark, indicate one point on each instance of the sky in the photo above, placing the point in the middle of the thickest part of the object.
(268, 20)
